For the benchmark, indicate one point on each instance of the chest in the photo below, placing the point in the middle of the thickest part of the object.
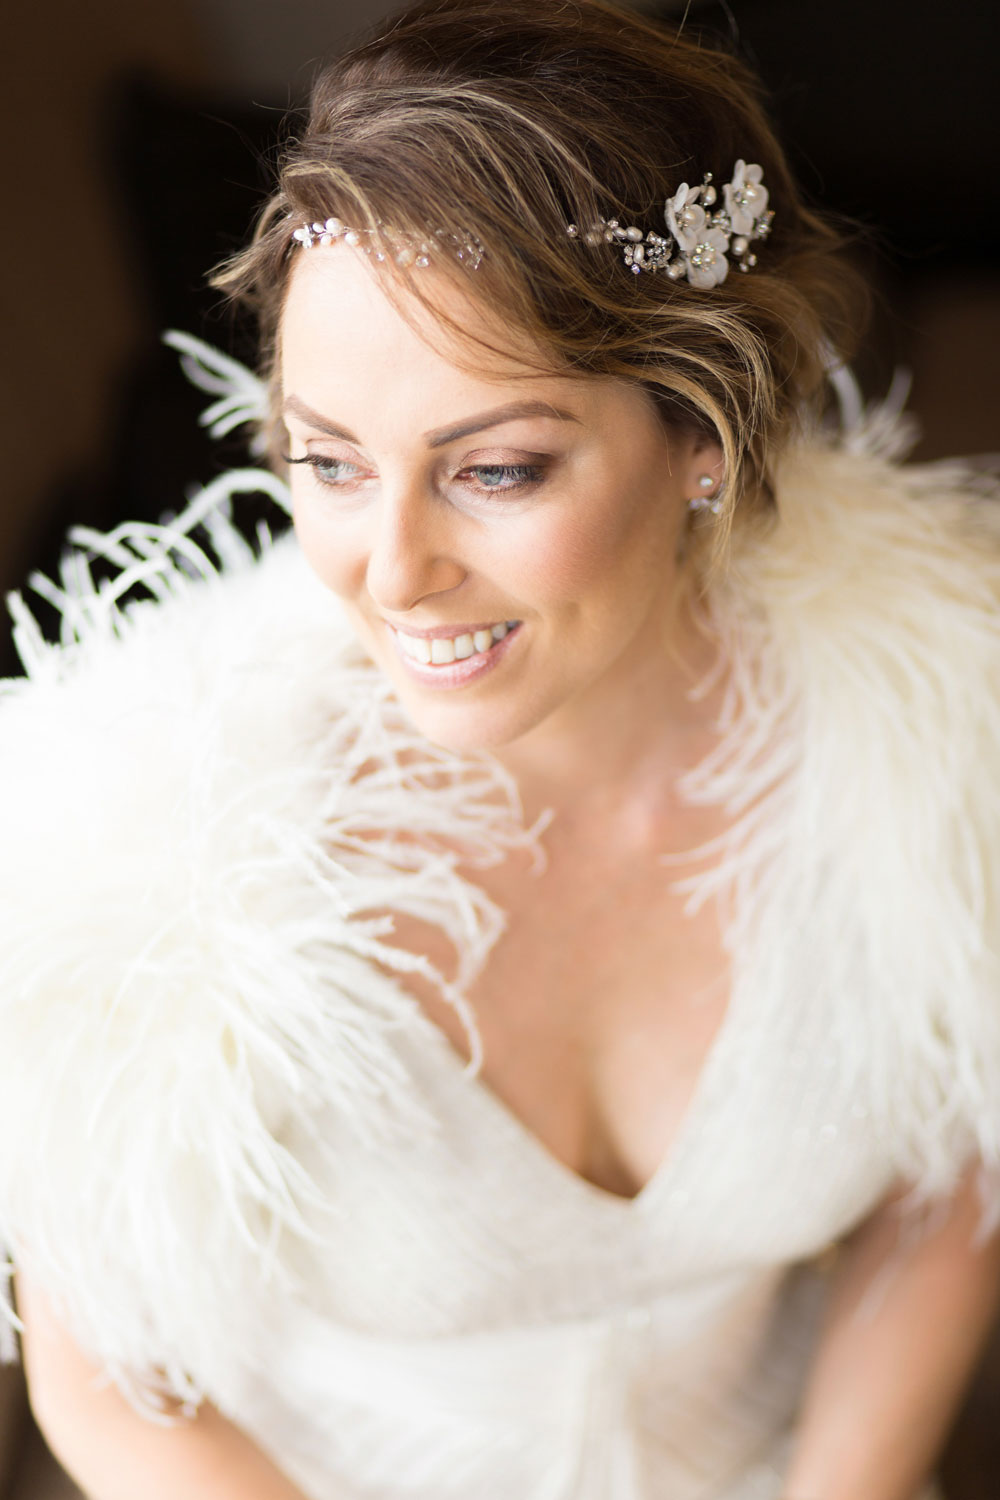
(598, 1007)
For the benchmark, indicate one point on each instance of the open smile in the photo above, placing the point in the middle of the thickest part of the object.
(450, 658)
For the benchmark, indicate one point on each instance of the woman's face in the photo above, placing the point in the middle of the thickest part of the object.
(504, 544)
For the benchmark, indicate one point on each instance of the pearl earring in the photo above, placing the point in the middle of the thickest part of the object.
(704, 501)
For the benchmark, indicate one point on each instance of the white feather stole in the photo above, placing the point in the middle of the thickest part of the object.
(202, 797)
(204, 793)
(862, 761)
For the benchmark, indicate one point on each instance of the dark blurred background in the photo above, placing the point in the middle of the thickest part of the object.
(137, 141)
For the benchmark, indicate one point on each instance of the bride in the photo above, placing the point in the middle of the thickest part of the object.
(500, 984)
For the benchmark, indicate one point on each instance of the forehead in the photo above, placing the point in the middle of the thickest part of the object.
(340, 307)
(349, 351)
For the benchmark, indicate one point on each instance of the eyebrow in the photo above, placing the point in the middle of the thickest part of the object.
(437, 437)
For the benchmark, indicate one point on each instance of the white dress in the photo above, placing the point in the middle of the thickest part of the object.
(248, 1166)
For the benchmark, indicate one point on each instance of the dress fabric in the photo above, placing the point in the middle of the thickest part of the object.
(487, 1323)
(249, 1167)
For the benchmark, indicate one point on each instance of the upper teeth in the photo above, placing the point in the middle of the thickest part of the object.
(441, 649)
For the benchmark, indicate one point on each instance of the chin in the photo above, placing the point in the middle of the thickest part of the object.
(467, 728)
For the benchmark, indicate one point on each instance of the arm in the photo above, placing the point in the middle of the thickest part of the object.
(884, 1389)
(111, 1451)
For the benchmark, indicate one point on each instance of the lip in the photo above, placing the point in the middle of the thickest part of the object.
(458, 673)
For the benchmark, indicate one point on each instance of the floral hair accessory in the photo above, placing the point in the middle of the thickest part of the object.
(701, 237)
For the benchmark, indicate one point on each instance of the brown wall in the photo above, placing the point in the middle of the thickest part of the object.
(70, 310)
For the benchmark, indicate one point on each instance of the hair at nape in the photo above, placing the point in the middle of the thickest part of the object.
(469, 123)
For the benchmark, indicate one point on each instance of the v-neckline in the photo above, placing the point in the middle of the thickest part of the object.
(545, 1164)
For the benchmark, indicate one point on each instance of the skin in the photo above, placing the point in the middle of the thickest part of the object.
(583, 553)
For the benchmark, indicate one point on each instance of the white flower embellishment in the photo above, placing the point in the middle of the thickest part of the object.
(746, 198)
(685, 216)
(701, 236)
(706, 262)
(702, 241)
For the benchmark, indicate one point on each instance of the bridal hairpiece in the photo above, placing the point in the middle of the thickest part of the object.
(406, 250)
(700, 237)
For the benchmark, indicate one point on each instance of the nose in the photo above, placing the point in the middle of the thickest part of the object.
(412, 552)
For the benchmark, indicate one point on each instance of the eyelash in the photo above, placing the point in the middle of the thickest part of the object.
(530, 474)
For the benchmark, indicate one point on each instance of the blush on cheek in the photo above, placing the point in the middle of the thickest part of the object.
(602, 542)
(565, 558)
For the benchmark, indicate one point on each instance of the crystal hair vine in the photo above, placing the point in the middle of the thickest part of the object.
(700, 237)
(406, 249)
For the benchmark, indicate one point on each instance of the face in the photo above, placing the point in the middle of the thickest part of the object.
(504, 544)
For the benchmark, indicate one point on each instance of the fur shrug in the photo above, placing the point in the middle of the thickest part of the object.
(208, 793)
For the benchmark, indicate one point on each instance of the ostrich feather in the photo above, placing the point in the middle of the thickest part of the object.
(207, 796)
(860, 761)
(241, 396)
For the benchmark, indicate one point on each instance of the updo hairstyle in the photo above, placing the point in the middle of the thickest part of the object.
(512, 120)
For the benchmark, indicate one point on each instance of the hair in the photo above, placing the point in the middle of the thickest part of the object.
(511, 120)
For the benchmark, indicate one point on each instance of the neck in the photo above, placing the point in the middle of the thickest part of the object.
(620, 747)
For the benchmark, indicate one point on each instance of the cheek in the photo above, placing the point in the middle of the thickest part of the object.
(334, 552)
(603, 548)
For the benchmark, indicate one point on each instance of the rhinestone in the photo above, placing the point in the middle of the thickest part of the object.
(572, 231)
(422, 260)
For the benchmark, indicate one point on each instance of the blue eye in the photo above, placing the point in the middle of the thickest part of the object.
(503, 478)
(327, 470)
(496, 479)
